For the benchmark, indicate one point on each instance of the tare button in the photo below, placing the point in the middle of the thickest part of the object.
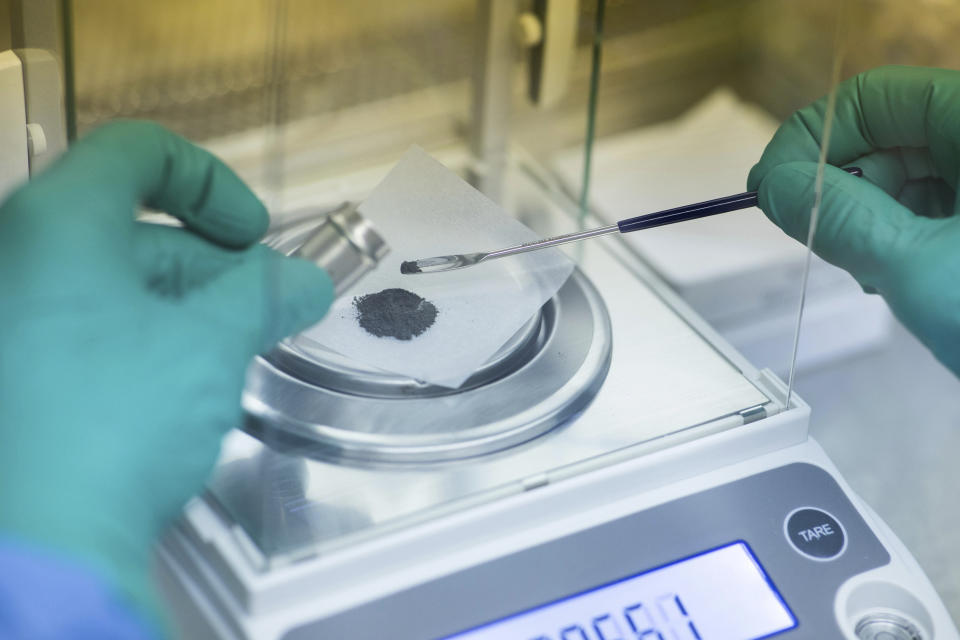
(815, 533)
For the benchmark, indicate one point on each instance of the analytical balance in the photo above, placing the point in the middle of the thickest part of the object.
(591, 482)
(616, 471)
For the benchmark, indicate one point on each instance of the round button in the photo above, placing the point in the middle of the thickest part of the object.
(815, 533)
(886, 626)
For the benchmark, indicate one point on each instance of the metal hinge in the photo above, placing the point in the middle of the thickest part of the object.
(752, 414)
(535, 481)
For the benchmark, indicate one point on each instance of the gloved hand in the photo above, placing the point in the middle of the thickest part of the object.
(896, 229)
(123, 345)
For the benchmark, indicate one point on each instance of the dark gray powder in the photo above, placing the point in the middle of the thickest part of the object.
(394, 313)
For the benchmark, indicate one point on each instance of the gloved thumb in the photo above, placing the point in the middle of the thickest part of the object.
(860, 227)
(264, 299)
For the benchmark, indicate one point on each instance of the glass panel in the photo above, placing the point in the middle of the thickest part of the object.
(313, 102)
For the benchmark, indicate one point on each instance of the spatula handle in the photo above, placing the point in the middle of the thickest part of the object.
(699, 209)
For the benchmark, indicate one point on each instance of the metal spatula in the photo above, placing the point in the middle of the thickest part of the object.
(647, 221)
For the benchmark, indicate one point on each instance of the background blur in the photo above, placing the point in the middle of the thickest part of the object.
(205, 68)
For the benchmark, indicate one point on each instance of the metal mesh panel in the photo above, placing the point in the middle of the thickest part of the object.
(207, 68)
(210, 67)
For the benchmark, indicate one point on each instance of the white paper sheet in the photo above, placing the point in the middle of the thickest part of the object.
(423, 209)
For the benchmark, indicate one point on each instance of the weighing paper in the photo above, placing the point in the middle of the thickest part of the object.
(423, 209)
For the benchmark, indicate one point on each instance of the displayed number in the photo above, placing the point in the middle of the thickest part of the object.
(671, 615)
(607, 628)
(672, 610)
(641, 623)
(574, 632)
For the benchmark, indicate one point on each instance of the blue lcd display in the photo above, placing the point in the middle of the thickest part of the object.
(720, 594)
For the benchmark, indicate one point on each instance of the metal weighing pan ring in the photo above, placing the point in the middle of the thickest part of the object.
(554, 385)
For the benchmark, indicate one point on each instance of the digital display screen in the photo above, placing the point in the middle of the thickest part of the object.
(721, 594)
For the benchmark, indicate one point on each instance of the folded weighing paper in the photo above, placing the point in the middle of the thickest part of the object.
(423, 209)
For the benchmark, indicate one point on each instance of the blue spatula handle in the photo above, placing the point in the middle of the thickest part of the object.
(699, 210)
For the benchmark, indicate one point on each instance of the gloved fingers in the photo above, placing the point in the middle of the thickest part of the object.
(928, 197)
(884, 108)
(890, 169)
(861, 228)
(126, 163)
(918, 163)
(173, 261)
(264, 299)
(908, 175)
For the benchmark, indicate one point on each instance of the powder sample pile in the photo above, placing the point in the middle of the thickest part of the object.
(394, 313)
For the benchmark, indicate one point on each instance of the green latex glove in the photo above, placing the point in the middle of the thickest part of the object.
(896, 229)
(123, 345)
